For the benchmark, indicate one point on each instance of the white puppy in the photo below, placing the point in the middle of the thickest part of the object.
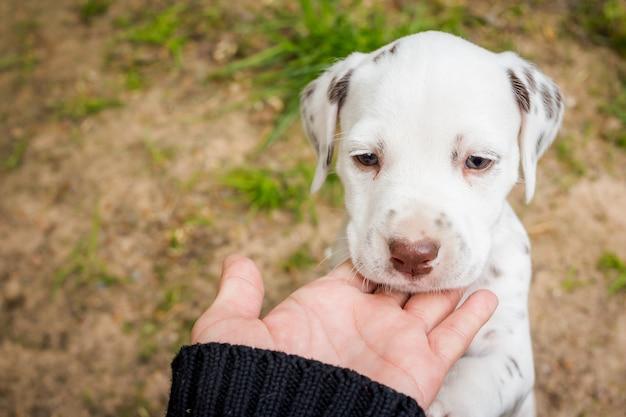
(433, 131)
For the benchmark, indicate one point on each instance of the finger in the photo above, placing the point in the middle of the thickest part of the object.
(452, 337)
(432, 308)
(350, 276)
(397, 297)
(241, 290)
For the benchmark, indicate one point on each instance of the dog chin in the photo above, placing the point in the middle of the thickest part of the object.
(420, 285)
(431, 282)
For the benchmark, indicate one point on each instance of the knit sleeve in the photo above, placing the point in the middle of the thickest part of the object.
(226, 380)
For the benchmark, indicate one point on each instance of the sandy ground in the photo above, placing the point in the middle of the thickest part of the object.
(113, 225)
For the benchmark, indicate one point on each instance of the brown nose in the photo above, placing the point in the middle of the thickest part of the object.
(412, 258)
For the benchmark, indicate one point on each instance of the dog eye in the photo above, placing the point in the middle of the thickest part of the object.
(478, 163)
(367, 159)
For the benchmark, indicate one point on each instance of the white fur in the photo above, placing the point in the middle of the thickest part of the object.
(418, 102)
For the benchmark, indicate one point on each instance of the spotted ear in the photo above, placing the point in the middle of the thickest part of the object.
(320, 105)
(541, 106)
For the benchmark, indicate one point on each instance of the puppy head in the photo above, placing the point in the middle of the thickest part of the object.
(433, 130)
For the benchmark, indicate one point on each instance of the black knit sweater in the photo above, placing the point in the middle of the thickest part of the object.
(225, 380)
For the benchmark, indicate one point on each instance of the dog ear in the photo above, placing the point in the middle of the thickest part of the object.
(541, 106)
(320, 105)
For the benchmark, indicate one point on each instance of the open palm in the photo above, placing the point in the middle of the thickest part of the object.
(406, 343)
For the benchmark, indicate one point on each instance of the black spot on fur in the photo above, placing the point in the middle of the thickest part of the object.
(379, 56)
(519, 91)
(547, 101)
(309, 91)
(457, 144)
(442, 221)
(393, 49)
(316, 143)
(329, 156)
(539, 143)
(526, 249)
(495, 271)
(557, 96)
(530, 79)
(338, 91)
(331, 86)
(509, 370)
(490, 334)
(516, 366)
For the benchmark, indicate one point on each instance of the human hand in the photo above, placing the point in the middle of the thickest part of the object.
(405, 342)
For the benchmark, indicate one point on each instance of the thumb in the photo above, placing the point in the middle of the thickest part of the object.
(240, 295)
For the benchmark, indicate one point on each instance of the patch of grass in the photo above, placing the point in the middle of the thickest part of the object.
(170, 298)
(158, 155)
(267, 190)
(617, 109)
(613, 267)
(565, 155)
(16, 154)
(161, 29)
(147, 337)
(604, 21)
(176, 240)
(199, 220)
(180, 239)
(24, 62)
(134, 80)
(299, 260)
(23, 56)
(80, 107)
(83, 266)
(306, 41)
(91, 9)
(572, 282)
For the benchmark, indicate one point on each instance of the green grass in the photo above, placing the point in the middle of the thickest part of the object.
(159, 156)
(566, 155)
(25, 62)
(143, 35)
(572, 282)
(267, 190)
(84, 266)
(134, 80)
(617, 109)
(604, 21)
(91, 9)
(299, 260)
(16, 154)
(170, 298)
(148, 345)
(615, 268)
(161, 29)
(80, 107)
(301, 44)
(22, 56)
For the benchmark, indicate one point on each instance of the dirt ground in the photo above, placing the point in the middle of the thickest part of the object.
(114, 217)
